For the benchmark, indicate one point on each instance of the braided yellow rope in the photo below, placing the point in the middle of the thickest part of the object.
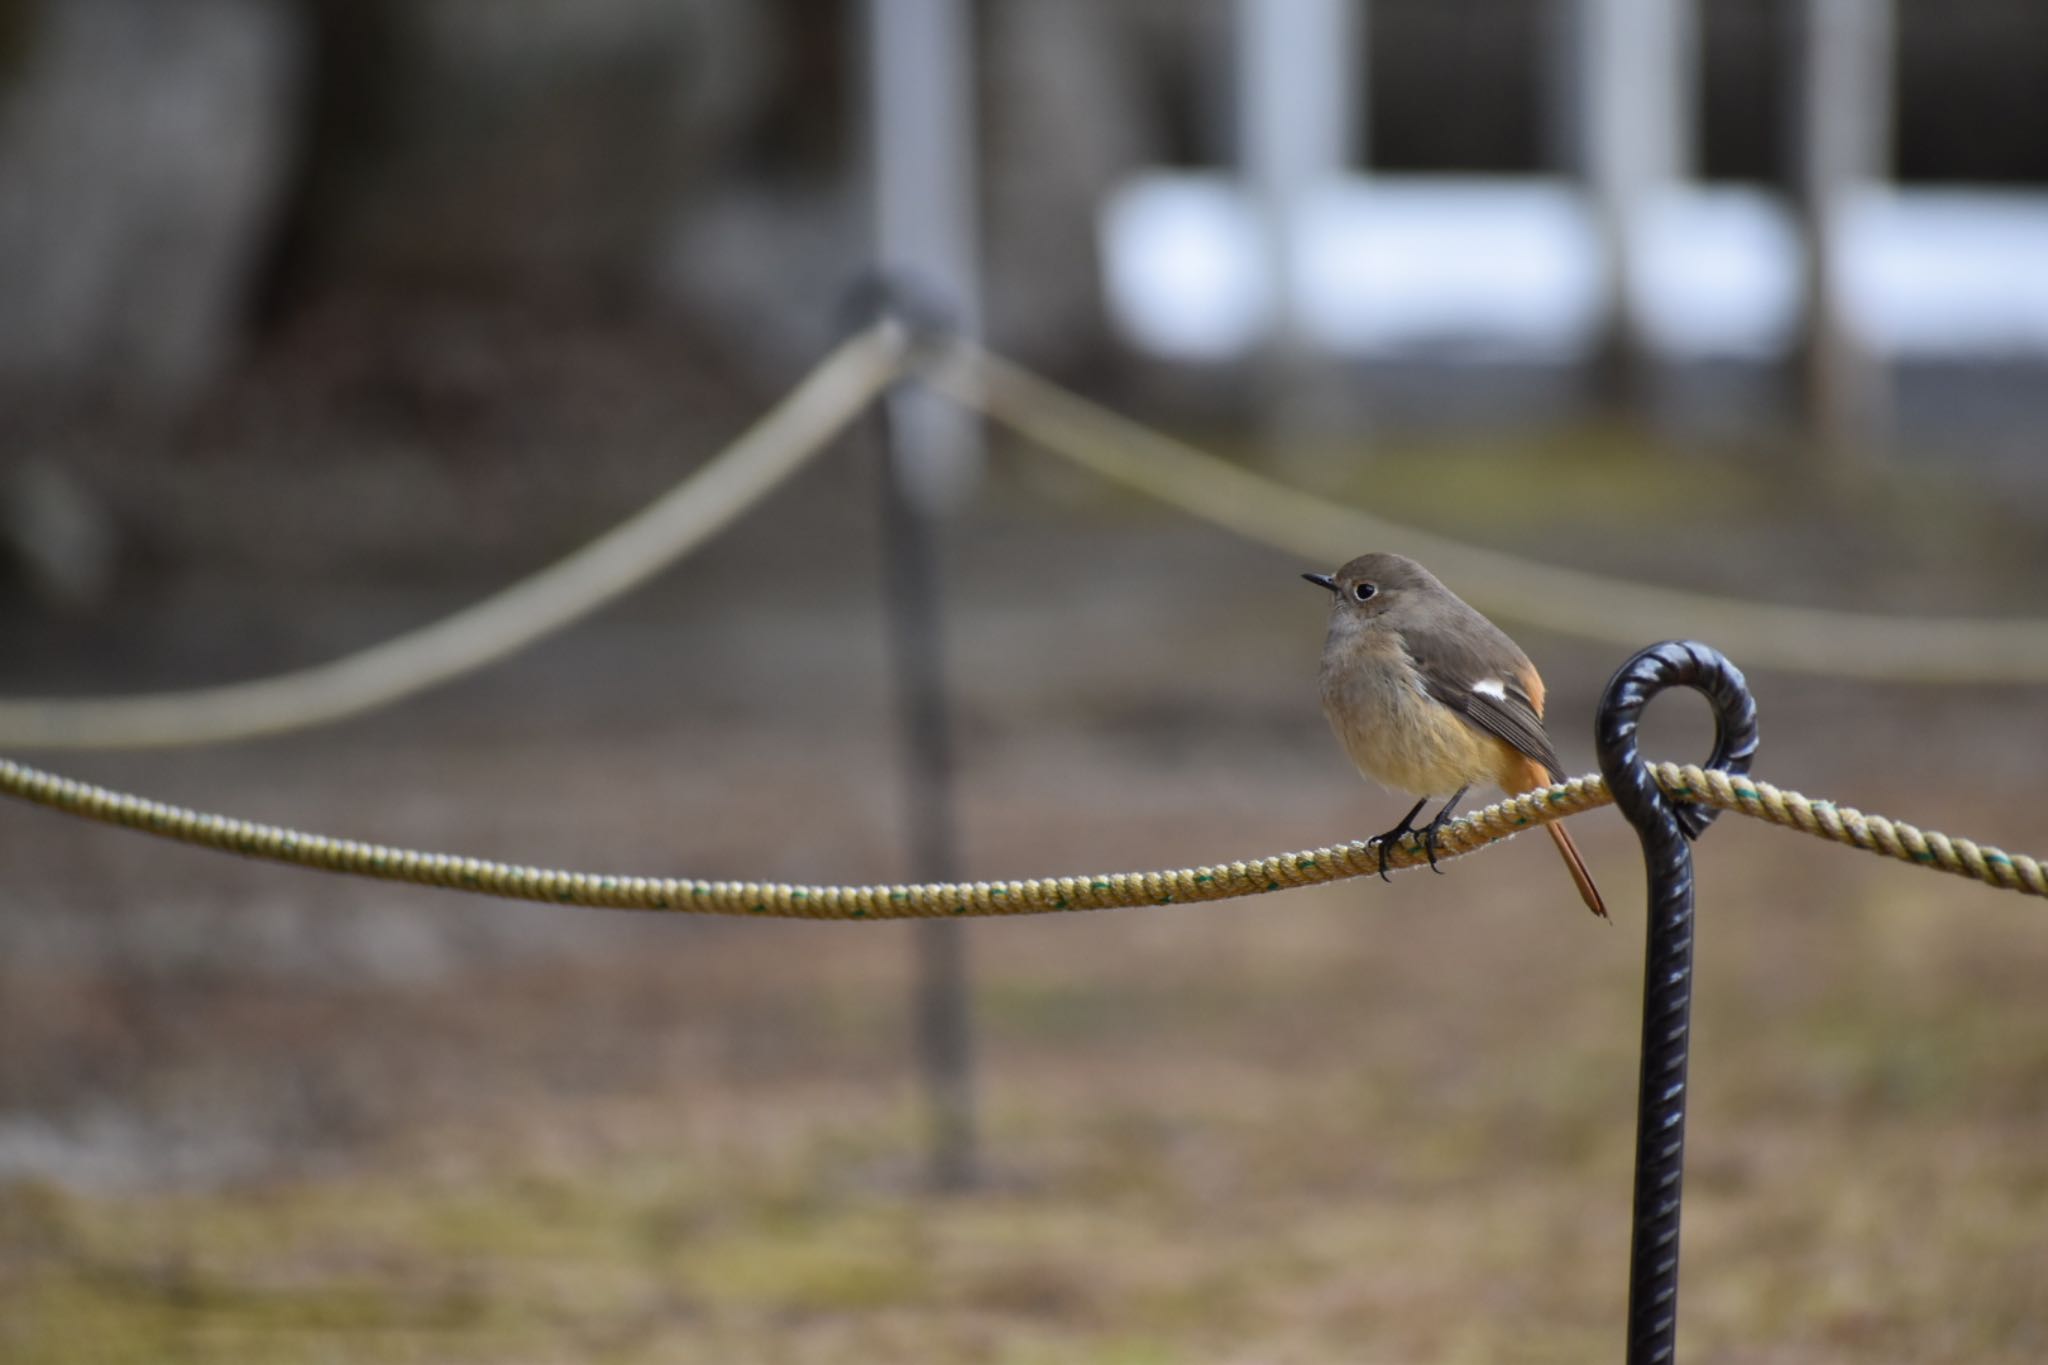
(793, 432)
(1225, 881)
(1589, 606)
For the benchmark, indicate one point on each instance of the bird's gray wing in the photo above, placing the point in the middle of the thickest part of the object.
(1490, 693)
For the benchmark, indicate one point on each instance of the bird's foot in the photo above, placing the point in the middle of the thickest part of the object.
(1434, 829)
(1385, 843)
(1430, 833)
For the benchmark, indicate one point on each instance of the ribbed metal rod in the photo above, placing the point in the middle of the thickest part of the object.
(1666, 831)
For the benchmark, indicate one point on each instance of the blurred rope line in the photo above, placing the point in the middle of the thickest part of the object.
(800, 428)
(1568, 601)
(1039, 895)
(791, 434)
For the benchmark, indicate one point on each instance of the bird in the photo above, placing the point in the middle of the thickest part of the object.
(1428, 697)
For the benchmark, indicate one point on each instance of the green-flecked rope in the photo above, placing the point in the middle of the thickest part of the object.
(1038, 895)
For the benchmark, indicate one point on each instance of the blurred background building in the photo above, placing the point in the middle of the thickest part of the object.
(1536, 185)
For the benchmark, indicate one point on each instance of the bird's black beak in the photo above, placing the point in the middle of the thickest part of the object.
(1322, 580)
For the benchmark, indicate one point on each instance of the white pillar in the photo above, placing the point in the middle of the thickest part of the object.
(1298, 76)
(1638, 79)
(921, 65)
(1844, 111)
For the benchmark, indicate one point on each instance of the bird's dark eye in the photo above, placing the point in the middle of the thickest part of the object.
(1365, 592)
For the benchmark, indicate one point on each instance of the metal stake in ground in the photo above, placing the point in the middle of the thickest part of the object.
(944, 1027)
(921, 98)
(1666, 831)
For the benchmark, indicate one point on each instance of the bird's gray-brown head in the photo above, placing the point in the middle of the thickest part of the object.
(1372, 588)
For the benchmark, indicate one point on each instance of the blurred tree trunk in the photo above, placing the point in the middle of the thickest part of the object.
(1067, 118)
(17, 23)
(143, 144)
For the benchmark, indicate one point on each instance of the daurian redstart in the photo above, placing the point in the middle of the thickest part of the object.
(1429, 697)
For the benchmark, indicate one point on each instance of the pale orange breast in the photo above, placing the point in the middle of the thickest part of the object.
(1397, 734)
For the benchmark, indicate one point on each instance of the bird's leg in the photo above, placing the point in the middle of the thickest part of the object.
(1383, 842)
(1434, 827)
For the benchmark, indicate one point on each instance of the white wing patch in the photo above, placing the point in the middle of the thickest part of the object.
(1491, 687)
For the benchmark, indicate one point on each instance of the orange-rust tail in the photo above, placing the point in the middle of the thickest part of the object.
(1577, 866)
(1520, 774)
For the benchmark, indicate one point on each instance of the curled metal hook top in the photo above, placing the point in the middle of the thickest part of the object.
(1675, 663)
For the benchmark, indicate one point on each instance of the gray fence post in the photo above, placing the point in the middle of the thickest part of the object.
(913, 608)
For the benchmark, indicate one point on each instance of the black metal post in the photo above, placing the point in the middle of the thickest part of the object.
(944, 1023)
(1666, 830)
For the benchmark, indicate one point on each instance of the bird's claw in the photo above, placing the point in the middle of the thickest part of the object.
(1385, 844)
(1381, 843)
(1430, 842)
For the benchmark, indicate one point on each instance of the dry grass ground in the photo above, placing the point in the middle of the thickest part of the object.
(248, 1114)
